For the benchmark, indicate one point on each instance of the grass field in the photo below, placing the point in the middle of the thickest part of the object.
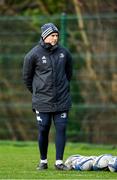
(18, 160)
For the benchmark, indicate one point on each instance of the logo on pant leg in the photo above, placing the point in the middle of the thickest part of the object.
(38, 117)
(37, 112)
(63, 115)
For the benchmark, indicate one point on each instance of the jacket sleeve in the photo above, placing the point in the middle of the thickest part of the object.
(28, 70)
(68, 67)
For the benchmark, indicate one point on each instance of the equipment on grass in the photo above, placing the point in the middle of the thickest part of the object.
(79, 162)
(112, 165)
(84, 164)
(101, 162)
(70, 161)
(104, 162)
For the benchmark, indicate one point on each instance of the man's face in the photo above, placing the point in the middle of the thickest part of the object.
(52, 39)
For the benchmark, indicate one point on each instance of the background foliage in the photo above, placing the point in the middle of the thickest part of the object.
(90, 35)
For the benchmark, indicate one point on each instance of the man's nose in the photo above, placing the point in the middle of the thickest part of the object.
(55, 37)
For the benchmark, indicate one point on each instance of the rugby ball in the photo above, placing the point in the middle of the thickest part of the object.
(101, 162)
(71, 160)
(84, 164)
(112, 165)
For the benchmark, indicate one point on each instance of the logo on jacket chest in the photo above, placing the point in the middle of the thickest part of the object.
(61, 55)
(44, 60)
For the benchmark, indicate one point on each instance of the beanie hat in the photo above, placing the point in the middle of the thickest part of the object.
(48, 29)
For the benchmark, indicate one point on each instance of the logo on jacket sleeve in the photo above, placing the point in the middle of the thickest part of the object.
(44, 61)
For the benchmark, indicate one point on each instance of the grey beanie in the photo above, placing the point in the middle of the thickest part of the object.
(48, 29)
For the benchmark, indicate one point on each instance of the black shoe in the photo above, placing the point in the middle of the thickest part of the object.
(61, 167)
(42, 166)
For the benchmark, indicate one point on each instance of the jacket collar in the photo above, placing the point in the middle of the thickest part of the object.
(47, 46)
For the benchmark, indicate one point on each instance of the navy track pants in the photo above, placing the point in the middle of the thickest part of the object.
(44, 123)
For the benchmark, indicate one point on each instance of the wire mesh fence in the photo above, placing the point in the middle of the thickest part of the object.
(93, 117)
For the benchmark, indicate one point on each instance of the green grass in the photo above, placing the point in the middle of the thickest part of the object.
(18, 160)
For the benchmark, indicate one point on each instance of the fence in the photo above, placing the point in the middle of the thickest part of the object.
(92, 41)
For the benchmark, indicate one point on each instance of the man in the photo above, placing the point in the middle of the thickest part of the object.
(47, 72)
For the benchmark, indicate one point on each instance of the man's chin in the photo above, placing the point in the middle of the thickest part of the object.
(53, 44)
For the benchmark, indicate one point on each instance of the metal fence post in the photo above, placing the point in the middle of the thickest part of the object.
(63, 30)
